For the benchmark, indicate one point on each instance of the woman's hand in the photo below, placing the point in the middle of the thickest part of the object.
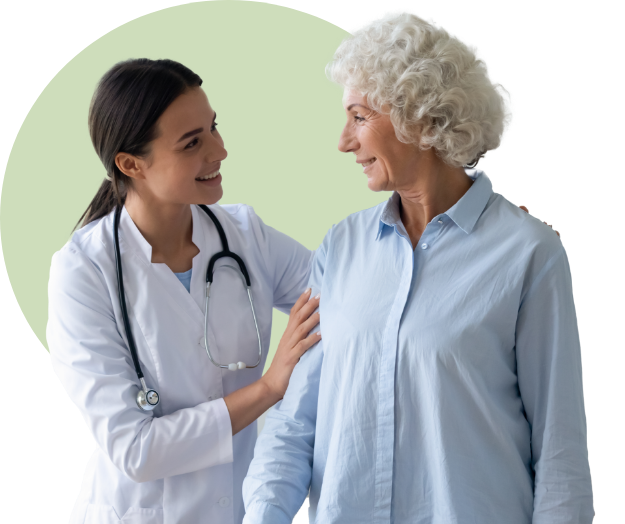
(294, 343)
(527, 211)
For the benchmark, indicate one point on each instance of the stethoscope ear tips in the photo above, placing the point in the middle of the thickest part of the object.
(147, 401)
(238, 365)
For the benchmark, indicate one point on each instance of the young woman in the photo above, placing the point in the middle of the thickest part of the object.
(170, 401)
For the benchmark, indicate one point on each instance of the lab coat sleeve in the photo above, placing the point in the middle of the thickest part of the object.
(279, 476)
(94, 365)
(288, 263)
(550, 381)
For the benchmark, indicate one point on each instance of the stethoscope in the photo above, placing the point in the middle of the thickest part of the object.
(148, 399)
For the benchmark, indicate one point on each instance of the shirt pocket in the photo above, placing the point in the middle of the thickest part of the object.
(103, 514)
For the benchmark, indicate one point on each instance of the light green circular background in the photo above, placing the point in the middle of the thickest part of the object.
(263, 68)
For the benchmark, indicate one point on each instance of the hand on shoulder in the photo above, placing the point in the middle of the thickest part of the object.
(527, 211)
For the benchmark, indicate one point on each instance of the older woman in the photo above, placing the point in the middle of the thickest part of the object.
(448, 386)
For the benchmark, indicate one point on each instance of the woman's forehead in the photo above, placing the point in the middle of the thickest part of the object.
(192, 100)
(189, 109)
(351, 97)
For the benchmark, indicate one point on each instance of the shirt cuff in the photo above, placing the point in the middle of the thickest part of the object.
(263, 513)
(224, 429)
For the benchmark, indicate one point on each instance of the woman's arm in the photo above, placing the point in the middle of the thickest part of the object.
(94, 365)
(550, 381)
(247, 404)
(280, 473)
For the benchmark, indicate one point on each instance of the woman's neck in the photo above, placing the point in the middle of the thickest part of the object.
(436, 188)
(168, 228)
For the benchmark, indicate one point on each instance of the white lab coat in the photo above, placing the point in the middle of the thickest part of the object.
(180, 463)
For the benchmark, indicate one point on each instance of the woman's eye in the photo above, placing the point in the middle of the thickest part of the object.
(359, 119)
(192, 143)
(214, 127)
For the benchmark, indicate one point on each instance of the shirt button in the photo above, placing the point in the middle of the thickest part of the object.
(424, 246)
(224, 502)
(440, 221)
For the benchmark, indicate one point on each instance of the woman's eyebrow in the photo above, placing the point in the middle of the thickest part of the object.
(195, 131)
(190, 133)
(359, 105)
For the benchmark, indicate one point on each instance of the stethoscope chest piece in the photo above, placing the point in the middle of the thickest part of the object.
(147, 401)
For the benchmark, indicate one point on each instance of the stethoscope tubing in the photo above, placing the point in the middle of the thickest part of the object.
(147, 399)
(122, 296)
(226, 253)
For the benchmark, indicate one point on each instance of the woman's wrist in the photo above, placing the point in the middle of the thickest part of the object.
(245, 405)
(271, 392)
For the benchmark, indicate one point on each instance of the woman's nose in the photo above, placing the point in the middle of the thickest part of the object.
(347, 140)
(216, 152)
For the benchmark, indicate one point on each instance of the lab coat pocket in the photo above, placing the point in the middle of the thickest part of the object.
(143, 516)
(102, 514)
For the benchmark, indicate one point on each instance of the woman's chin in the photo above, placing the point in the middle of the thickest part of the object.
(212, 196)
(375, 185)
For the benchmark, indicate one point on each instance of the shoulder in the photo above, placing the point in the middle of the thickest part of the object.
(241, 221)
(88, 249)
(231, 211)
(511, 218)
(354, 231)
(238, 216)
(364, 218)
(521, 232)
(356, 225)
(244, 221)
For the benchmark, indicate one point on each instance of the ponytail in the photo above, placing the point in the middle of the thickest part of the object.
(104, 202)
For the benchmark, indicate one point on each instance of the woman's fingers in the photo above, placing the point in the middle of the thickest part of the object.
(295, 341)
(557, 232)
(305, 327)
(527, 211)
(307, 309)
(304, 345)
(301, 331)
(301, 301)
(302, 319)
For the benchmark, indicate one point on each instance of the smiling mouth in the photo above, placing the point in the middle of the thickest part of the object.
(369, 162)
(208, 177)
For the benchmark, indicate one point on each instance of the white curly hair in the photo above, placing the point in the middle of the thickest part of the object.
(435, 90)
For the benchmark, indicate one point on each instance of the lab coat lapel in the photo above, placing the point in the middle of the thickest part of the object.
(208, 247)
(168, 281)
(192, 304)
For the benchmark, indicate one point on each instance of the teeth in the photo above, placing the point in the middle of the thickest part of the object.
(365, 164)
(207, 177)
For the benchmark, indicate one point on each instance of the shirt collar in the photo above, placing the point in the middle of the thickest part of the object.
(464, 213)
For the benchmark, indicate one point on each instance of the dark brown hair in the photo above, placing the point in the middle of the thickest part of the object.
(126, 105)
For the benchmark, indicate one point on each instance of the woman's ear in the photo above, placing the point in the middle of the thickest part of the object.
(130, 165)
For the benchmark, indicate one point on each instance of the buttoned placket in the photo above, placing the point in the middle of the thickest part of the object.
(385, 442)
(431, 233)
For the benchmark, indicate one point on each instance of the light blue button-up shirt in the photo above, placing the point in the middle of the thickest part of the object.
(447, 388)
